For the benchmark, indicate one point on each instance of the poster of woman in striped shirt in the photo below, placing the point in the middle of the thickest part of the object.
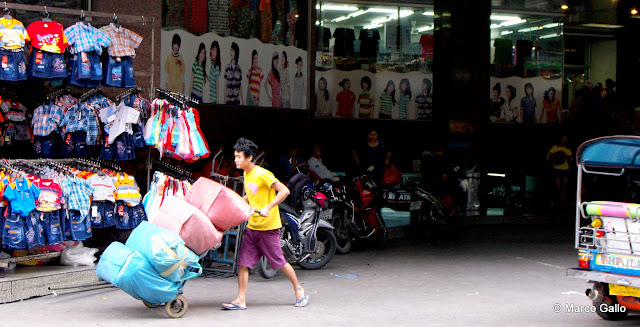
(365, 99)
(199, 73)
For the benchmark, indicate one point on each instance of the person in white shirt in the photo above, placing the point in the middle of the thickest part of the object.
(317, 167)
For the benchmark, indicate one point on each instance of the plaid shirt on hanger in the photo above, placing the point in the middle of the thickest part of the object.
(46, 119)
(85, 38)
(123, 41)
(77, 193)
(82, 118)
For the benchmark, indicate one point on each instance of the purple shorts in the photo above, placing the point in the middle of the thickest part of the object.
(257, 243)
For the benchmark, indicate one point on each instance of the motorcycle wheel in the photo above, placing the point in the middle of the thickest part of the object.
(326, 243)
(265, 270)
(381, 235)
(341, 232)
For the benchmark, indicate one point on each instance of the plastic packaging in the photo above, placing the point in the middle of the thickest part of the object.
(224, 207)
(78, 255)
(195, 229)
(128, 270)
(165, 251)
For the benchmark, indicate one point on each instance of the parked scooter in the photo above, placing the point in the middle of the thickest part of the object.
(306, 239)
(356, 213)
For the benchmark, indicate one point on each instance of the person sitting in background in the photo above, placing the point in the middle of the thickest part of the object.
(317, 169)
(291, 163)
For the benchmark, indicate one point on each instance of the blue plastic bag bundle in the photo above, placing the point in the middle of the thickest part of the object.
(165, 251)
(128, 270)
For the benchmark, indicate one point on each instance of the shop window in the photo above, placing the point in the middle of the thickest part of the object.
(385, 53)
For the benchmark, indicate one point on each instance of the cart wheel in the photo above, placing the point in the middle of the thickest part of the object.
(149, 305)
(177, 307)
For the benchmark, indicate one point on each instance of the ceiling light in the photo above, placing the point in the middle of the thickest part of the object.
(548, 36)
(634, 11)
(496, 175)
(424, 28)
(508, 23)
(380, 20)
(530, 29)
(506, 32)
(428, 13)
(564, 7)
(504, 17)
(405, 13)
(383, 10)
(357, 13)
(372, 26)
(337, 8)
(339, 19)
(602, 25)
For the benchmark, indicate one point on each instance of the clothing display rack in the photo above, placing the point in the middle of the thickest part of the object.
(134, 90)
(178, 97)
(55, 94)
(173, 171)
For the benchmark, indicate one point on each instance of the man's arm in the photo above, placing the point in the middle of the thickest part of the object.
(281, 193)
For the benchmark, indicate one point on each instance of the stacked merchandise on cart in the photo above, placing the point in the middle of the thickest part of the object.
(163, 186)
(174, 129)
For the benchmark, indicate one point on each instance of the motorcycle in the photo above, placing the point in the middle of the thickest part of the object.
(356, 213)
(305, 238)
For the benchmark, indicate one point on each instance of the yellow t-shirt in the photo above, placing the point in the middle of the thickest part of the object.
(174, 66)
(565, 164)
(257, 185)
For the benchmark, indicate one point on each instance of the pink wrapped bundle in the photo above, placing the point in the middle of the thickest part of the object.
(612, 209)
(189, 222)
(224, 207)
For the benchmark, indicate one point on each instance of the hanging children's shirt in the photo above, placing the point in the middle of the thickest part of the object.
(123, 41)
(47, 36)
(50, 198)
(77, 193)
(118, 119)
(22, 195)
(85, 38)
(14, 110)
(82, 118)
(103, 188)
(46, 119)
(127, 189)
(13, 35)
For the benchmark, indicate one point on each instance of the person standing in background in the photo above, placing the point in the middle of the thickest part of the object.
(285, 82)
(405, 98)
(510, 110)
(198, 73)
(495, 104)
(324, 106)
(345, 100)
(214, 73)
(552, 107)
(255, 78)
(174, 66)
(272, 86)
(528, 106)
(387, 102)
(365, 99)
(233, 76)
(559, 156)
(424, 101)
(299, 86)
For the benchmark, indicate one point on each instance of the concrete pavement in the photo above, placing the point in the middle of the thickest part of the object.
(483, 276)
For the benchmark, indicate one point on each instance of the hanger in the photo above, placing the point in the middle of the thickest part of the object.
(7, 14)
(45, 15)
(114, 20)
(82, 17)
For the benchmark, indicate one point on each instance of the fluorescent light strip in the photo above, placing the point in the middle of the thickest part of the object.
(339, 19)
(506, 32)
(424, 28)
(602, 25)
(530, 29)
(504, 17)
(337, 8)
(357, 13)
(428, 13)
(508, 23)
(496, 175)
(372, 26)
(548, 36)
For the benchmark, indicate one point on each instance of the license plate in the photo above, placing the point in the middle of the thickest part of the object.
(326, 214)
(615, 289)
(415, 205)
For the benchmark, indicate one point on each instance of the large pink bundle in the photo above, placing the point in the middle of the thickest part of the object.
(224, 207)
(189, 222)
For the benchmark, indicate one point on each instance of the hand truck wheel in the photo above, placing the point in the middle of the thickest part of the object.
(149, 305)
(177, 307)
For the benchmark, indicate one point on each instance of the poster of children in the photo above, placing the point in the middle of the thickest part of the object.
(364, 95)
(229, 70)
(525, 100)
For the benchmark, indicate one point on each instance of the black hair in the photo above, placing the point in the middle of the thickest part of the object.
(204, 61)
(217, 63)
(497, 87)
(513, 92)
(546, 94)
(367, 80)
(253, 54)
(429, 84)
(326, 86)
(408, 91)
(528, 85)
(274, 69)
(609, 83)
(299, 59)
(393, 93)
(176, 40)
(247, 147)
(341, 84)
(285, 58)
(236, 50)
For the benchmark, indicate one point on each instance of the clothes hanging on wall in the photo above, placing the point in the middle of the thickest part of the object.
(161, 187)
(118, 67)
(12, 43)
(48, 44)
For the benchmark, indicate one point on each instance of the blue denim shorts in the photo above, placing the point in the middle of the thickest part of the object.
(45, 146)
(138, 137)
(13, 66)
(43, 64)
(74, 145)
(53, 226)
(79, 227)
(13, 233)
(104, 214)
(120, 150)
(85, 74)
(34, 229)
(138, 215)
(119, 73)
(124, 215)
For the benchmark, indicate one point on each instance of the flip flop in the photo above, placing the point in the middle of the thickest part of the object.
(232, 306)
(302, 302)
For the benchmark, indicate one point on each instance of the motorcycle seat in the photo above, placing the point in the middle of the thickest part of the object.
(287, 209)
